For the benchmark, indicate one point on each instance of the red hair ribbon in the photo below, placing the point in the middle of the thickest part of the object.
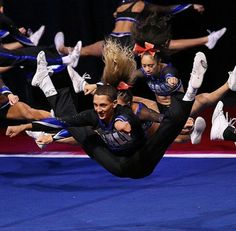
(149, 48)
(123, 86)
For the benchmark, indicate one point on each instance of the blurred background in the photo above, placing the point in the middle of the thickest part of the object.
(91, 20)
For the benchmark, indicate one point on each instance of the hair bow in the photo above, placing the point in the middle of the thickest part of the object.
(148, 47)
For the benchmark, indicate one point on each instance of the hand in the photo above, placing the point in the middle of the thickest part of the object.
(22, 30)
(123, 126)
(188, 127)
(199, 8)
(89, 88)
(44, 139)
(13, 99)
(14, 130)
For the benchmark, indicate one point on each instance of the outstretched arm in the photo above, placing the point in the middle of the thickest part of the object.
(15, 130)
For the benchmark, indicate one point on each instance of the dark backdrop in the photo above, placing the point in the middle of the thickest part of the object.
(90, 20)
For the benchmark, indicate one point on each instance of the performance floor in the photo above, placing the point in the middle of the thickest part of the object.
(61, 189)
(68, 194)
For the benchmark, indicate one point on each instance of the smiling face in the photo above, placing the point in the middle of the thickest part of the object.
(149, 64)
(104, 107)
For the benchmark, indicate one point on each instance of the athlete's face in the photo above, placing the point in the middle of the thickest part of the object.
(149, 64)
(104, 107)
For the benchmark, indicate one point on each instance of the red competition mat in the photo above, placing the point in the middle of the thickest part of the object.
(23, 144)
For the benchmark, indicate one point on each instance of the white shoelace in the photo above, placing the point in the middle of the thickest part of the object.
(231, 121)
(86, 76)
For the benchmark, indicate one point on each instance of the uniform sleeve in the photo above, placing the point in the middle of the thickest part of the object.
(169, 71)
(164, 88)
(84, 118)
(3, 88)
(62, 134)
(125, 114)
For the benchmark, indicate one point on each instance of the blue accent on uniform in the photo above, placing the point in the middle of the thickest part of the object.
(140, 106)
(17, 57)
(51, 122)
(24, 40)
(50, 61)
(126, 19)
(59, 68)
(180, 8)
(107, 127)
(5, 89)
(3, 33)
(121, 118)
(159, 86)
(62, 134)
(120, 34)
(54, 61)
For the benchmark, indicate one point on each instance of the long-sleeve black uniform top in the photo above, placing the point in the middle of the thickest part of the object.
(118, 142)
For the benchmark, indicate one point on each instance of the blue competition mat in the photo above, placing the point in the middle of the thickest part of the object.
(68, 194)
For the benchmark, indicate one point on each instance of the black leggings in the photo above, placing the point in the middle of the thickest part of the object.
(133, 165)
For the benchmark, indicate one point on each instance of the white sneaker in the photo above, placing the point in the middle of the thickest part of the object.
(35, 135)
(196, 77)
(232, 80)
(199, 128)
(77, 81)
(220, 122)
(75, 54)
(217, 111)
(214, 36)
(59, 41)
(198, 70)
(36, 36)
(41, 71)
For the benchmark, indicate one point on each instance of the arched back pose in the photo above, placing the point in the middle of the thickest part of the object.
(112, 135)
